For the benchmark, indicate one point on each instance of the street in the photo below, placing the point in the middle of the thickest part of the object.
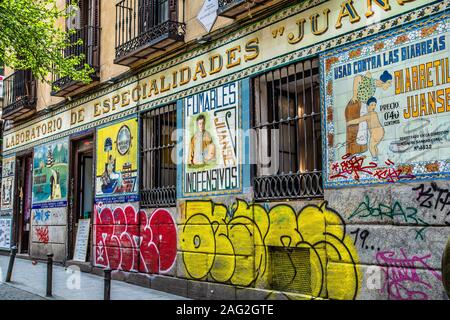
(69, 285)
(10, 293)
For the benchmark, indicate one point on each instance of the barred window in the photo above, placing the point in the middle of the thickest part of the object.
(286, 117)
(159, 172)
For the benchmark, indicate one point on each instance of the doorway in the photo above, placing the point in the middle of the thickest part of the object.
(24, 205)
(81, 189)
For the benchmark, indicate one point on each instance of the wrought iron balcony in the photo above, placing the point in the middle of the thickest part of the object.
(19, 95)
(90, 48)
(144, 27)
(233, 8)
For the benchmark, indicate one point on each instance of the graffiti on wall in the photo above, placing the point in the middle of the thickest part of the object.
(404, 279)
(391, 85)
(132, 240)
(232, 244)
(49, 216)
(50, 169)
(212, 149)
(117, 154)
(380, 212)
(41, 215)
(434, 197)
(42, 234)
(353, 166)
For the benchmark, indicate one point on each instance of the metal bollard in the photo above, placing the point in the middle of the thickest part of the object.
(12, 257)
(107, 291)
(49, 274)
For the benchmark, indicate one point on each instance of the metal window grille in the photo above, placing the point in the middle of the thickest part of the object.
(287, 120)
(158, 169)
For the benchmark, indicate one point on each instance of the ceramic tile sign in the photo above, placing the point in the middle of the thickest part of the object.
(212, 141)
(117, 161)
(387, 107)
(50, 170)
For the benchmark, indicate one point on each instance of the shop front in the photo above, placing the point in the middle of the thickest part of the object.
(302, 156)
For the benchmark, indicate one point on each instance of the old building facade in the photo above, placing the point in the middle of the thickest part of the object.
(283, 149)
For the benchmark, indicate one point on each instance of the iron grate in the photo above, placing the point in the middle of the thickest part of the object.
(291, 269)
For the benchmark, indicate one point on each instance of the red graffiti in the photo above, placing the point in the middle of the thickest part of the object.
(159, 241)
(135, 241)
(391, 174)
(117, 238)
(353, 166)
(42, 234)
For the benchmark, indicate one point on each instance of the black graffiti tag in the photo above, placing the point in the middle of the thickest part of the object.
(433, 197)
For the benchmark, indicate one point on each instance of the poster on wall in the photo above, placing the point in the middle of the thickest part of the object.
(387, 107)
(7, 188)
(5, 233)
(117, 162)
(212, 142)
(50, 170)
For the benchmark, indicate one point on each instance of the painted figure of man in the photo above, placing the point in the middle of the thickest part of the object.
(202, 149)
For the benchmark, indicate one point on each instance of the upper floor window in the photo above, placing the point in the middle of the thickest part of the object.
(84, 23)
(19, 95)
(144, 27)
(287, 119)
(159, 171)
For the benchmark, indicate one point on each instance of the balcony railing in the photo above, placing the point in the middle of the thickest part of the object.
(233, 8)
(19, 95)
(90, 48)
(144, 27)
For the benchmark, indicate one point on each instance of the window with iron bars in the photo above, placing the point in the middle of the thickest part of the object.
(159, 172)
(287, 122)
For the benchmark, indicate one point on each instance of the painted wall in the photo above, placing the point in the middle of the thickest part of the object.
(380, 242)
(50, 191)
(402, 229)
(125, 237)
(130, 239)
(235, 244)
(383, 241)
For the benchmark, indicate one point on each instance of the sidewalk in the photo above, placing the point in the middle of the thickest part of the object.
(32, 278)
